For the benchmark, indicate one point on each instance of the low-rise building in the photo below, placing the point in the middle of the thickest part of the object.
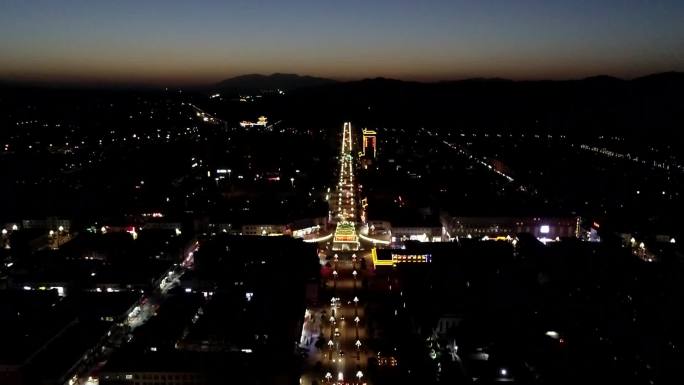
(492, 227)
(264, 229)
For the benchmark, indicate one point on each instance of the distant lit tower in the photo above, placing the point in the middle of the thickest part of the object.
(369, 143)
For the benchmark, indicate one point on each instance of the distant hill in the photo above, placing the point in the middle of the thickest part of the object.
(602, 78)
(647, 107)
(273, 81)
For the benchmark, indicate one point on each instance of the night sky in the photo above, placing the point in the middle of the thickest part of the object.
(186, 42)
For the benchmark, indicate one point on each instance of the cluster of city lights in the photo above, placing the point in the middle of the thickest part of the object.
(634, 158)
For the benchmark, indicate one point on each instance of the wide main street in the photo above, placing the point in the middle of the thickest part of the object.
(335, 334)
(344, 207)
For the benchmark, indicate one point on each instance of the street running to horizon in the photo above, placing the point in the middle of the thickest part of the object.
(334, 334)
(345, 206)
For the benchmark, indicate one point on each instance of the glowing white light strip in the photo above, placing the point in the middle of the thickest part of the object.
(321, 239)
(368, 239)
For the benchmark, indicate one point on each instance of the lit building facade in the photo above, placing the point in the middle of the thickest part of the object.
(152, 378)
(261, 122)
(392, 257)
(417, 233)
(492, 227)
(369, 143)
(264, 229)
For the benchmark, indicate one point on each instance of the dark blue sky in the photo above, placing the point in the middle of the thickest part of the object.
(171, 41)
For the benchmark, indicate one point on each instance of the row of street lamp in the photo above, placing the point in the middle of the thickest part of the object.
(333, 321)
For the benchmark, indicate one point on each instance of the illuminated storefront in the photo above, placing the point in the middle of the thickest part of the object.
(393, 257)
